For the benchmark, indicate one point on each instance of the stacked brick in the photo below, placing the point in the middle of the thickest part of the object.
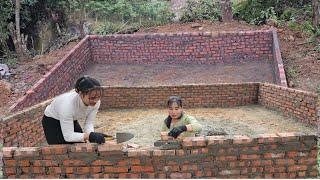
(24, 128)
(60, 78)
(282, 155)
(180, 48)
(299, 104)
(277, 62)
(189, 48)
(219, 95)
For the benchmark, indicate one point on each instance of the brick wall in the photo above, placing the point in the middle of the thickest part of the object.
(191, 48)
(277, 61)
(282, 155)
(300, 104)
(60, 78)
(177, 48)
(219, 95)
(23, 129)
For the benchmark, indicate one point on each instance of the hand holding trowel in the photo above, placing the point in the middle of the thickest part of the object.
(120, 137)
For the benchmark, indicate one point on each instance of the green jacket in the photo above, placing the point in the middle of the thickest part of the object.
(185, 120)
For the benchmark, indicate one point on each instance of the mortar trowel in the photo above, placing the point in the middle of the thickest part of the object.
(120, 137)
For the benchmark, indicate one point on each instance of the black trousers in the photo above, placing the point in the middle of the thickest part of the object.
(52, 130)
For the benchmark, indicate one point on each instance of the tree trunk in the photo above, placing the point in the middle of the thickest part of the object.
(17, 29)
(19, 40)
(226, 10)
(316, 13)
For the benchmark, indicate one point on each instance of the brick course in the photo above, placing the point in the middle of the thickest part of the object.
(281, 155)
(177, 48)
(214, 162)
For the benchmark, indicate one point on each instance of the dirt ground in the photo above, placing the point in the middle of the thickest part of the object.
(301, 60)
(244, 120)
(154, 75)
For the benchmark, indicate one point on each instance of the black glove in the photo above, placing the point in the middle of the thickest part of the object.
(97, 137)
(175, 132)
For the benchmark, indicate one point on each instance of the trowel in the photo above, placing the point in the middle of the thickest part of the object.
(120, 137)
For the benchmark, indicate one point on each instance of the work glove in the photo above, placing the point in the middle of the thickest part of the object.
(95, 137)
(175, 132)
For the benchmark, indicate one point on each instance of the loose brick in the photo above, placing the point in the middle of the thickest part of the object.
(138, 152)
(110, 147)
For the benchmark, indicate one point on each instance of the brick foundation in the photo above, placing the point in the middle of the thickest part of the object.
(180, 48)
(281, 155)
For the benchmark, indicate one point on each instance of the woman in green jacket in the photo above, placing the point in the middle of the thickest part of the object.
(178, 123)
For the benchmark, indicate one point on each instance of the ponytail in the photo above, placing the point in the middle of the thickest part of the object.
(86, 84)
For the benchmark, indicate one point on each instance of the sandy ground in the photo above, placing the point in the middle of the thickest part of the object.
(166, 74)
(243, 120)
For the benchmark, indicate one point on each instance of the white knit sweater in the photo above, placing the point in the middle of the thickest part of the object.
(69, 107)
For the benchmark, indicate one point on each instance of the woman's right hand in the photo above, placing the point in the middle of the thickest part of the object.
(95, 137)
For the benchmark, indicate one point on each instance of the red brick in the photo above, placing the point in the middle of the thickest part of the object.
(241, 139)
(110, 147)
(9, 170)
(102, 163)
(189, 167)
(226, 158)
(171, 168)
(26, 152)
(74, 163)
(129, 175)
(55, 170)
(200, 151)
(108, 169)
(10, 163)
(36, 170)
(44, 163)
(285, 162)
(83, 147)
(54, 149)
(249, 156)
(273, 155)
(138, 152)
(297, 168)
(292, 154)
(82, 170)
(8, 152)
(142, 169)
(95, 170)
(216, 140)
(180, 175)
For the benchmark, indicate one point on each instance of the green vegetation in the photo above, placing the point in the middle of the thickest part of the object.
(201, 10)
(292, 72)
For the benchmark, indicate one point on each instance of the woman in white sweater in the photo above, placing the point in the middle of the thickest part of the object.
(60, 120)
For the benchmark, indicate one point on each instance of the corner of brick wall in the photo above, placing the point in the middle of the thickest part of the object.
(67, 70)
(24, 128)
(299, 104)
(281, 155)
(277, 60)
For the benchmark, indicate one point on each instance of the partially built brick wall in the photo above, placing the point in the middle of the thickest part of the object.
(282, 155)
(60, 78)
(25, 129)
(219, 95)
(179, 48)
(302, 105)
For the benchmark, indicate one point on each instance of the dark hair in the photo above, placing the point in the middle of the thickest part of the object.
(174, 99)
(86, 84)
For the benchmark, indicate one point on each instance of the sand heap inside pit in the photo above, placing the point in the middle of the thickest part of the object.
(250, 120)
